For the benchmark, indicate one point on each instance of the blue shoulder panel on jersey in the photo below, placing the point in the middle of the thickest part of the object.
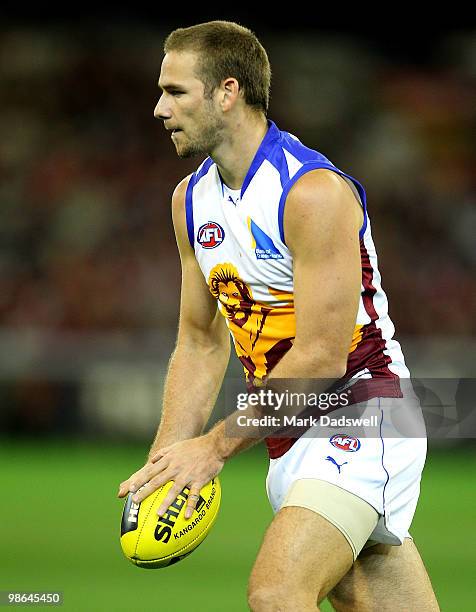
(196, 176)
(317, 165)
(204, 168)
(277, 158)
(189, 209)
(301, 152)
(262, 153)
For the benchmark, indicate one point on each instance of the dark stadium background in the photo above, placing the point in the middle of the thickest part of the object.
(89, 275)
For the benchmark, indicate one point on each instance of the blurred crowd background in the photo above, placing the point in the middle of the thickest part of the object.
(89, 271)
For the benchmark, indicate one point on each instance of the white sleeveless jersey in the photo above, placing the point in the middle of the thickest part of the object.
(239, 243)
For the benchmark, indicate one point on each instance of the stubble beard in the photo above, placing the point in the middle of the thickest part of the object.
(209, 137)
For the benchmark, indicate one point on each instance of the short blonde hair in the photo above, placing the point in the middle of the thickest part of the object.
(226, 49)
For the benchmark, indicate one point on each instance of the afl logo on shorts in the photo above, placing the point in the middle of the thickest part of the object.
(349, 444)
(210, 235)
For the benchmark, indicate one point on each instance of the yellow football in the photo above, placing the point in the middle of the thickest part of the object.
(150, 541)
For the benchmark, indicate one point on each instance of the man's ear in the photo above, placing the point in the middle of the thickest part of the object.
(229, 93)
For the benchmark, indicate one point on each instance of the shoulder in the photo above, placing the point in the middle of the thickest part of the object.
(178, 211)
(320, 201)
(178, 195)
(318, 185)
(193, 178)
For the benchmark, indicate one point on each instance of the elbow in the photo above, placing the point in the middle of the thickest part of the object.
(337, 365)
(323, 364)
(332, 370)
(208, 345)
(340, 369)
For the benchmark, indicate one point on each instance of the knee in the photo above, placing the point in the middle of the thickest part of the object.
(261, 599)
(268, 599)
(277, 598)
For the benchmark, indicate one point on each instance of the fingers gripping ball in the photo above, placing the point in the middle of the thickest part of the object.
(150, 541)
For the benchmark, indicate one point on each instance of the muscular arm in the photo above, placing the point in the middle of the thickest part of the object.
(321, 221)
(202, 352)
(199, 361)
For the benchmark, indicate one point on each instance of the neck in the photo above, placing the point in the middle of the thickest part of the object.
(236, 151)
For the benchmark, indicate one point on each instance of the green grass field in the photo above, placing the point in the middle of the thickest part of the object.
(60, 531)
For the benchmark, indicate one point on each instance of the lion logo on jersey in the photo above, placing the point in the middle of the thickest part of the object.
(247, 320)
(237, 301)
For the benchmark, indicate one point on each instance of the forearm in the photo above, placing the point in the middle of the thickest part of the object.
(192, 384)
(306, 371)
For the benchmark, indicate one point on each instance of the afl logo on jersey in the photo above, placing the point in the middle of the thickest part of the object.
(349, 444)
(210, 235)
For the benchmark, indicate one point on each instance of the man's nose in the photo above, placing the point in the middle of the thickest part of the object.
(161, 111)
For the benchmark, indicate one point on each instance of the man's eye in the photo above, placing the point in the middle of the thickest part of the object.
(176, 92)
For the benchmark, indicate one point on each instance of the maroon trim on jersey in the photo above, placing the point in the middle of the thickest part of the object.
(367, 276)
(368, 354)
(278, 446)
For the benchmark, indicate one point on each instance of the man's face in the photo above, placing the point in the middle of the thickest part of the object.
(194, 119)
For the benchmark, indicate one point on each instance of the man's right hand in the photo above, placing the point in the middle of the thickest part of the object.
(145, 474)
(189, 463)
